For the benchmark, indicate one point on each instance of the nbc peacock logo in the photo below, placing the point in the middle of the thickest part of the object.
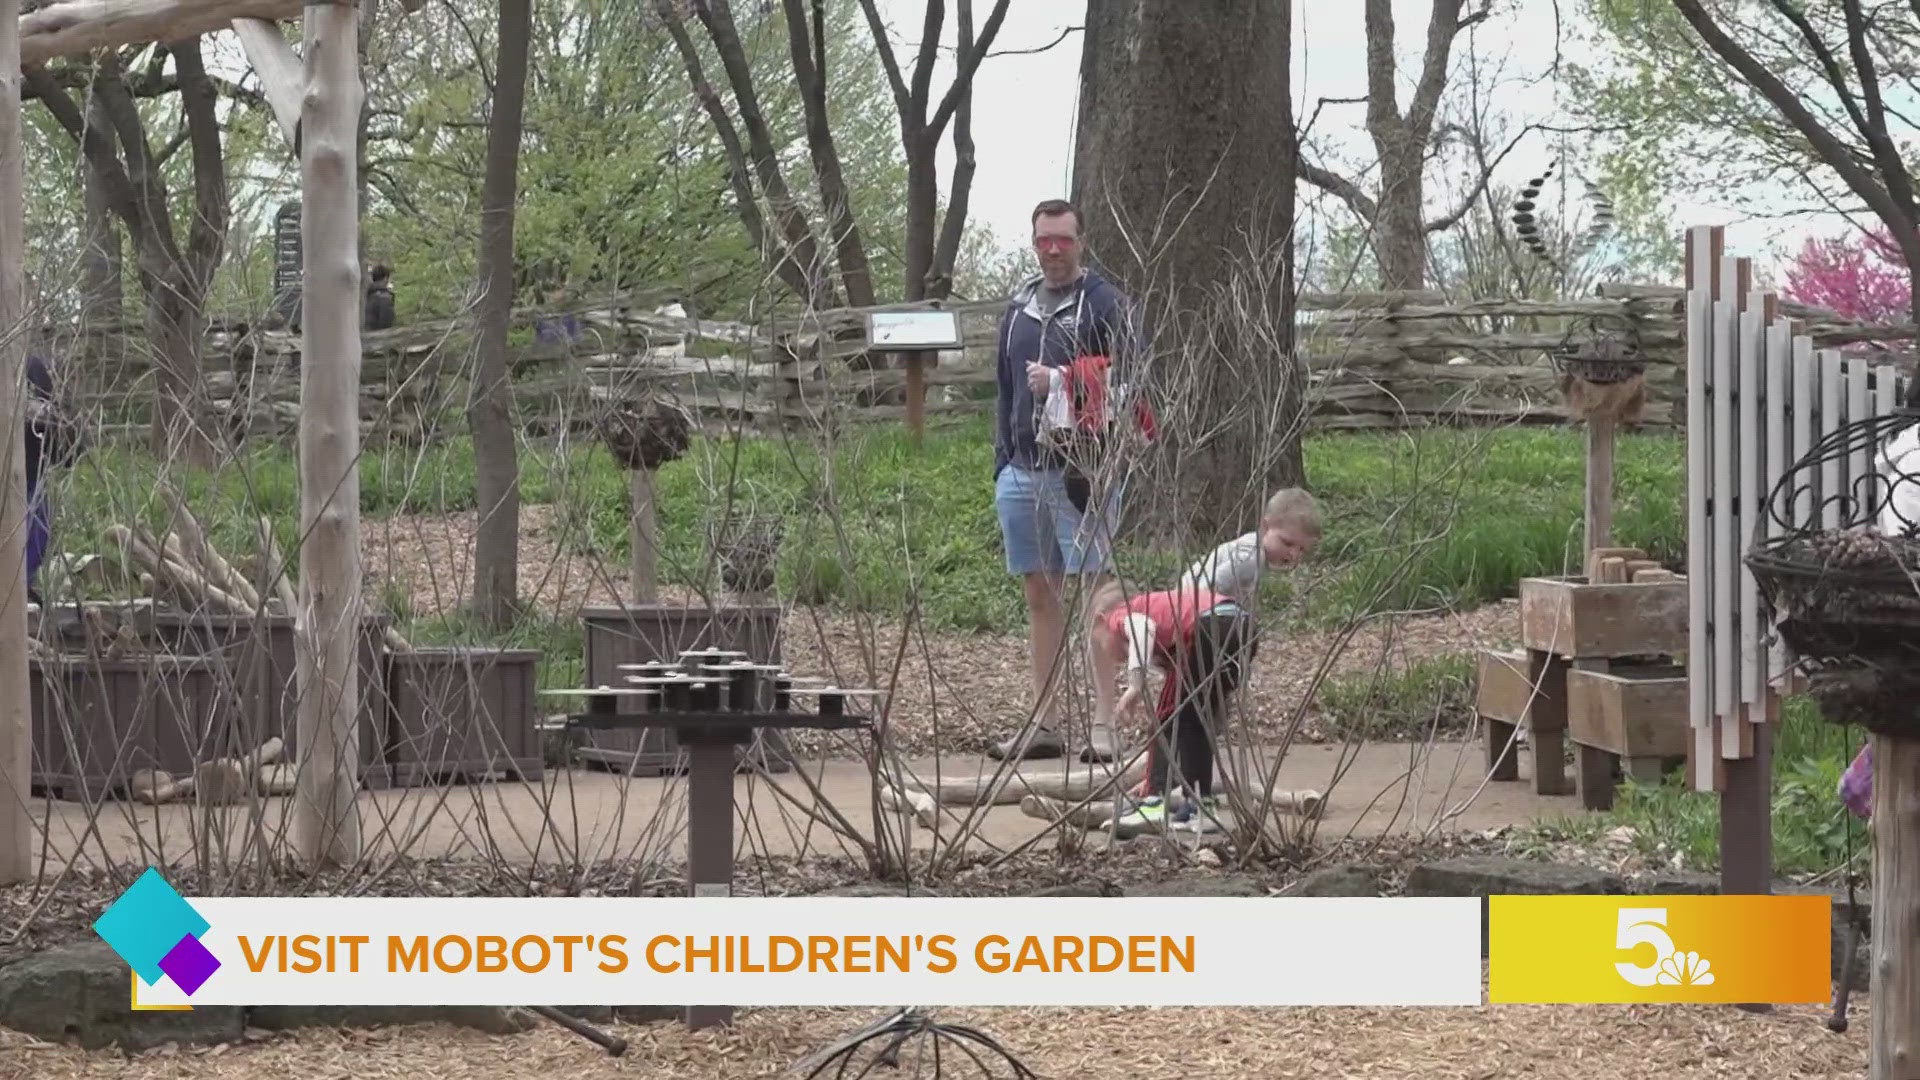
(1644, 931)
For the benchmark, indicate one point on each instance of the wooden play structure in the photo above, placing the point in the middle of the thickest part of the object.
(1600, 658)
(1599, 666)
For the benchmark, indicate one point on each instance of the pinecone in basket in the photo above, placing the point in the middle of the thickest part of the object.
(645, 434)
(1859, 548)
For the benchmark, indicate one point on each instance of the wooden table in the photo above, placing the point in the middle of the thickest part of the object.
(699, 712)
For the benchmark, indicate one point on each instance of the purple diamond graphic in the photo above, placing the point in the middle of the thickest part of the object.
(189, 964)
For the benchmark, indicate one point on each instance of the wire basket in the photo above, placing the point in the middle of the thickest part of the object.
(916, 1045)
(1837, 563)
(1600, 355)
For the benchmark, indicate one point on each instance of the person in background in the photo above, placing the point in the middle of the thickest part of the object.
(1053, 321)
(379, 308)
(51, 439)
(1856, 784)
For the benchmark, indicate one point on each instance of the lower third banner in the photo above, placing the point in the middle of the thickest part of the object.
(802, 951)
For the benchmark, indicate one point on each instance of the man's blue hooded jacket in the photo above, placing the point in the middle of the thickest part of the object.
(1095, 321)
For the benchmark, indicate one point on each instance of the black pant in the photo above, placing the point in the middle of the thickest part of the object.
(1223, 643)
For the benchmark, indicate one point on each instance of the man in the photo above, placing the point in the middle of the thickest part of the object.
(1049, 528)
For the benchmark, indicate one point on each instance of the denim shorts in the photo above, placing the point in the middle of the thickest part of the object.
(1041, 530)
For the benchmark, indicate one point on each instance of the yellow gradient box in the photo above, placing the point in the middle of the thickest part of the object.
(1568, 950)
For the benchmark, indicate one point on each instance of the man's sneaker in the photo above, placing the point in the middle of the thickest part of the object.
(1102, 746)
(1046, 743)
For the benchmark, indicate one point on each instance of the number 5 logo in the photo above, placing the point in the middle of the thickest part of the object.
(1643, 926)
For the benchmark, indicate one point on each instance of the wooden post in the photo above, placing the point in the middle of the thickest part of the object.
(1896, 909)
(326, 820)
(16, 722)
(710, 765)
(1599, 483)
(645, 585)
(916, 397)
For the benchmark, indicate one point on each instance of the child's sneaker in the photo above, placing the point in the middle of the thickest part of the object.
(1150, 813)
(1202, 816)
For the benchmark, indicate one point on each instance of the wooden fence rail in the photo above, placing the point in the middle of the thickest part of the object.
(1375, 360)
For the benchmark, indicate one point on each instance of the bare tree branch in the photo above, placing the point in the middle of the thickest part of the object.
(1787, 102)
(968, 64)
(739, 173)
(902, 99)
(810, 74)
(717, 17)
(207, 232)
(1339, 186)
(960, 189)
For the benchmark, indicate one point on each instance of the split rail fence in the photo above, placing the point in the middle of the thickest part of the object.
(1376, 360)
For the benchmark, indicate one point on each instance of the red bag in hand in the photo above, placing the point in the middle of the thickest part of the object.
(1085, 387)
(1086, 380)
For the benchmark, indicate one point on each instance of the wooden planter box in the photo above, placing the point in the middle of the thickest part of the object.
(261, 681)
(1570, 618)
(1628, 718)
(642, 633)
(97, 722)
(1634, 712)
(462, 712)
(1524, 690)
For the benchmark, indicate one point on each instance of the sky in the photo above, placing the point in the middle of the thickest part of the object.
(1025, 105)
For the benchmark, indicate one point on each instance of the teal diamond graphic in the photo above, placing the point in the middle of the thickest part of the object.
(145, 924)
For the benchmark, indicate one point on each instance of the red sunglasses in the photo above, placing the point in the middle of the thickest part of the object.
(1054, 243)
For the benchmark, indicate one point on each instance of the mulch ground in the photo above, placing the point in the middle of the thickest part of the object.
(955, 693)
(1536, 1042)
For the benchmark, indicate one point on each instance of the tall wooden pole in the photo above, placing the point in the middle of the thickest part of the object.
(645, 585)
(326, 820)
(1599, 483)
(1896, 909)
(16, 729)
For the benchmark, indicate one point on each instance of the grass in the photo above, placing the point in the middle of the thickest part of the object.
(1810, 826)
(1457, 517)
(1429, 697)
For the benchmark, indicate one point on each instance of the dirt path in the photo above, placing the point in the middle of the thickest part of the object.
(1375, 790)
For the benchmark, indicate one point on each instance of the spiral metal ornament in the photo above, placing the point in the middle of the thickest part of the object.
(1525, 223)
(1838, 570)
(949, 1050)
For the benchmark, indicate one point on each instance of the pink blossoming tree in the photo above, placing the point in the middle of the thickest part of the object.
(1862, 278)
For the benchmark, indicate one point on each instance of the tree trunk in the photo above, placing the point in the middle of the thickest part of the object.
(923, 205)
(16, 730)
(326, 820)
(177, 328)
(496, 555)
(100, 280)
(1399, 229)
(1171, 164)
